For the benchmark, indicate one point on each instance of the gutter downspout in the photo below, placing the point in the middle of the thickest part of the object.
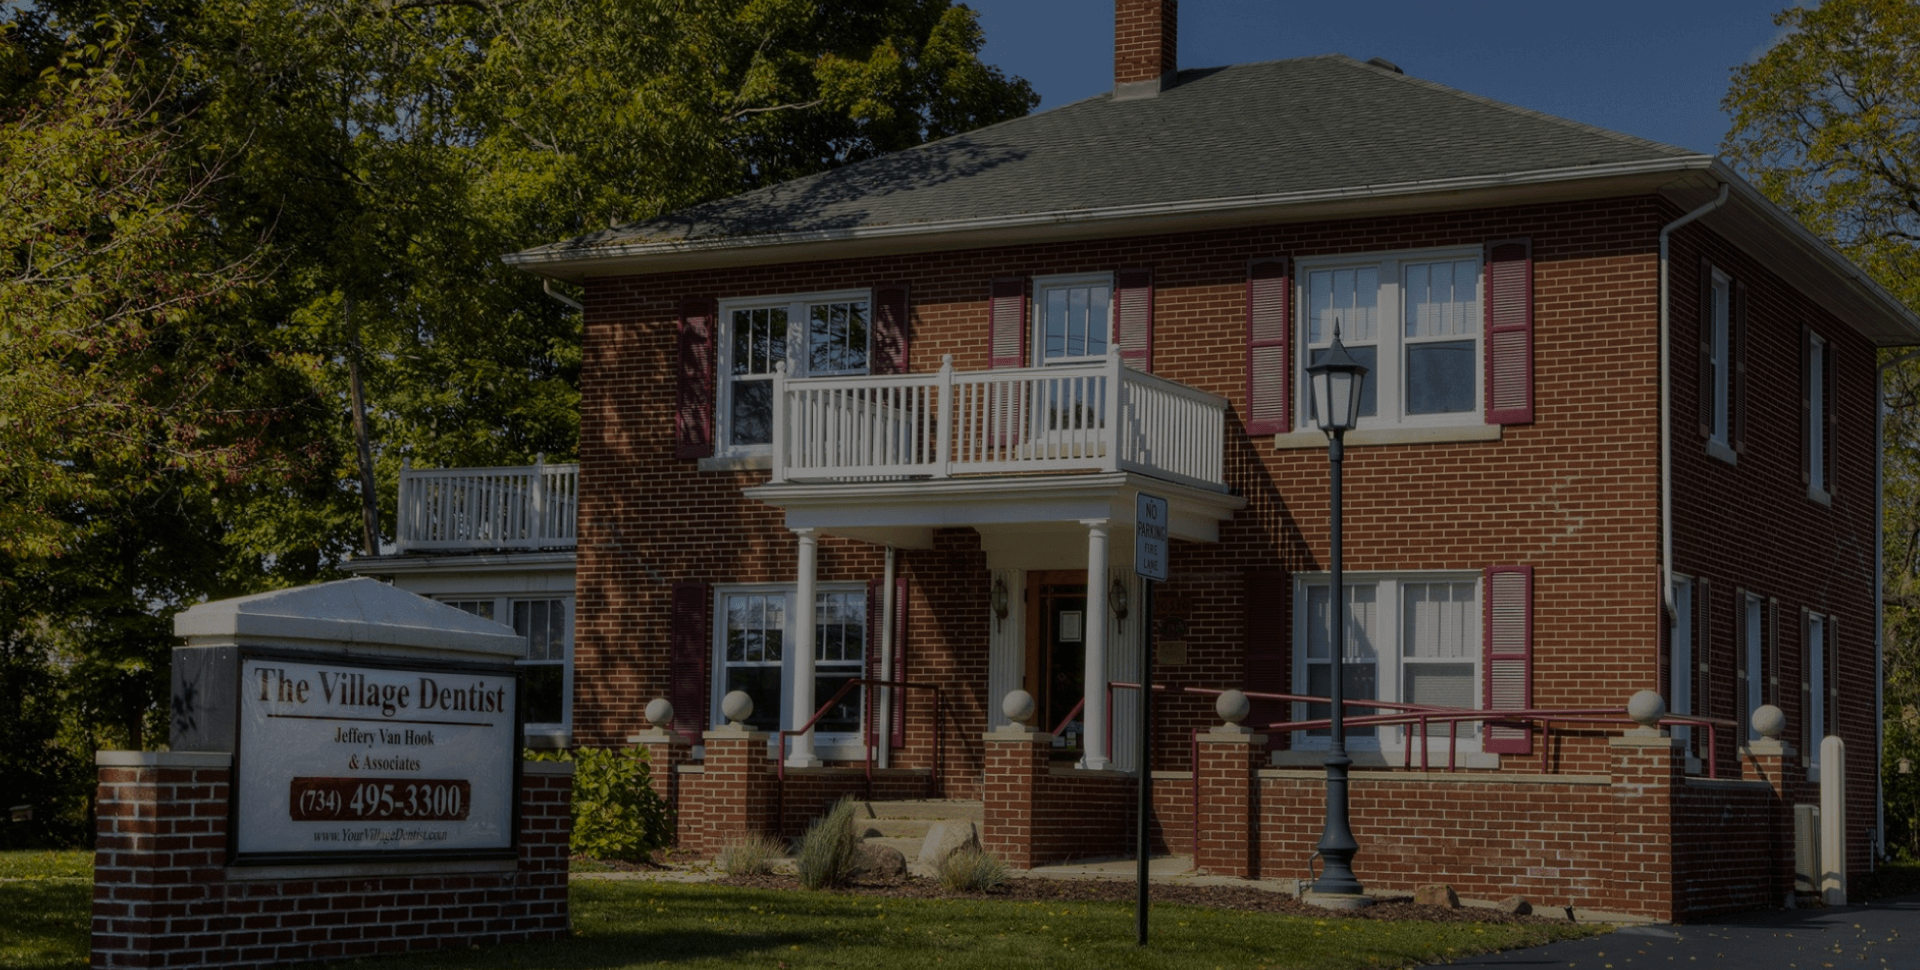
(1666, 403)
(1879, 599)
(546, 286)
(883, 735)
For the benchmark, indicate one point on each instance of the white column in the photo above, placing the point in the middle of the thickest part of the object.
(801, 616)
(1094, 715)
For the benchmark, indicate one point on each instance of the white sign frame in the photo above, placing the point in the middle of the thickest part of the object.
(359, 765)
(1150, 536)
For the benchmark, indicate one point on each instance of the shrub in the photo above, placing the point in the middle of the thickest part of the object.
(970, 869)
(828, 850)
(616, 812)
(750, 856)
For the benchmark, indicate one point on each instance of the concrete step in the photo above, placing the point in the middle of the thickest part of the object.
(930, 809)
(896, 828)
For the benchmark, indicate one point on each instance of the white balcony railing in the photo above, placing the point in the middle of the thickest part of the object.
(527, 507)
(1085, 417)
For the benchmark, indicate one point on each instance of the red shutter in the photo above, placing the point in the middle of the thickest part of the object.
(1830, 446)
(891, 330)
(1269, 343)
(1703, 662)
(1737, 351)
(1510, 331)
(1133, 326)
(693, 419)
(1264, 596)
(1806, 406)
(1705, 408)
(1508, 637)
(874, 606)
(689, 652)
(1830, 656)
(1009, 322)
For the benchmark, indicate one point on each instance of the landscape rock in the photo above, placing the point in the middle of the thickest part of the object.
(945, 838)
(1437, 894)
(879, 861)
(1517, 905)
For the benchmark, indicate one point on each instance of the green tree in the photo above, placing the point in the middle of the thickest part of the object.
(1827, 124)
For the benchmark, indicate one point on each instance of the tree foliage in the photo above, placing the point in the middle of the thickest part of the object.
(213, 212)
(1827, 124)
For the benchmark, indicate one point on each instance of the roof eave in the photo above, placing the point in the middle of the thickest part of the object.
(1587, 181)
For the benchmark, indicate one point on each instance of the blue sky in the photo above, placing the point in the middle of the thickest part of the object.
(1653, 69)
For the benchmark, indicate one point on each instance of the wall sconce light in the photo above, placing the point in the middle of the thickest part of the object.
(1117, 599)
(999, 599)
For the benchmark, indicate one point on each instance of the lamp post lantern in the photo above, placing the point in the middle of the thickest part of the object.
(1336, 380)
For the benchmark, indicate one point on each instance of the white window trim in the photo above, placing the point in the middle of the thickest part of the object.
(1037, 310)
(1719, 443)
(796, 305)
(503, 615)
(1390, 740)
(1389, 400)
(1817, 443)
(830, 747)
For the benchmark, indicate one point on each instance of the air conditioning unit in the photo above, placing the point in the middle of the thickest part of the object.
(1806, 848)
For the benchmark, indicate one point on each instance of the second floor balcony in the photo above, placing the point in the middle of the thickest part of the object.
(1092, 417)
(467, 509)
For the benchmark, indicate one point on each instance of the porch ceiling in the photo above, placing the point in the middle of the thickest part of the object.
(904, 514)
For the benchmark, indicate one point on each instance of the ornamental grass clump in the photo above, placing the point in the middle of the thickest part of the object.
(752, 855)
(829, 850)
(970, 869)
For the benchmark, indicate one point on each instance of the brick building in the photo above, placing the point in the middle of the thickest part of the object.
(1619, 434)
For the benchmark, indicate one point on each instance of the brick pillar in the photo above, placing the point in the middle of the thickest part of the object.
(1777, 763)
(1016, 759)
(666, 752)
(161, 845)
(1228, 781)
(1647, 766)
(735, 792)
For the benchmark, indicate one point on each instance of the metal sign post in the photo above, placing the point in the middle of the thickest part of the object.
(1150, 564)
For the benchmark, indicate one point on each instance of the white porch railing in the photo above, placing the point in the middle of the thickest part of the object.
(526, 507)
(1085, 417)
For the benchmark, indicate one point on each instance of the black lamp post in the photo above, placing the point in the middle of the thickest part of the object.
(1336, 380)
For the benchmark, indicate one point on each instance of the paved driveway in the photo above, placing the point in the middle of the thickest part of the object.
(1885, 934)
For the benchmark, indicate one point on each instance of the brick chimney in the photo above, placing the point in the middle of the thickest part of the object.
(1146, 44)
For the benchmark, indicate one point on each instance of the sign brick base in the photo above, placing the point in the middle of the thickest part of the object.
(163, 895)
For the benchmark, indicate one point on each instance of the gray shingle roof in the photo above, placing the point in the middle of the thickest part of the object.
(1251, 130)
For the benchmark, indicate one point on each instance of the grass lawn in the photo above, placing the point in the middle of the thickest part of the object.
(45, 898)
(46, 902)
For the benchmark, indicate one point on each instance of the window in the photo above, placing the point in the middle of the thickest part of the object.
(753, 628)
(1753, 660)
(1072, 318)
(823, 335)
(1680, 657)
(546, 675)
(1414, 319)
(1814, 728)
(1411, 639)
(1816, 407)
(1718, 409)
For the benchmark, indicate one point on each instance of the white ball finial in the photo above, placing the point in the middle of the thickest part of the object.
(1232, 706)
(1769, 721)
(1019, 707)
(660, 713)
(736, 707)
(1646, 708)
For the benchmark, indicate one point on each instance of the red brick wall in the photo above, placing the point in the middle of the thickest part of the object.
(1145, 39)
(164, 897)
(1773, 540)
(1575, 494)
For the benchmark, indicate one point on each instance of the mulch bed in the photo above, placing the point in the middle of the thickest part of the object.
(1124, 891)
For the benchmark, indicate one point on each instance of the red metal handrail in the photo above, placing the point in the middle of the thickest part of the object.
(939, 733)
